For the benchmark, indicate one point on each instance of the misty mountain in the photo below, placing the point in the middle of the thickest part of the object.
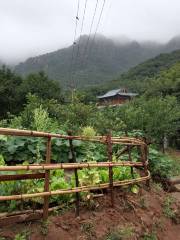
(1, 63)
(94, 61)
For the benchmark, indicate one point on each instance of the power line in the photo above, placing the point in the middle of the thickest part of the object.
(82, 25)
(74, 43)
(105, 22)
(92, 22)
(98, 23)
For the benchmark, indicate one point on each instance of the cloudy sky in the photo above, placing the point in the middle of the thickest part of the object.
(33, 27)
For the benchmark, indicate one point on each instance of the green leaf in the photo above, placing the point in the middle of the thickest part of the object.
(135, 189)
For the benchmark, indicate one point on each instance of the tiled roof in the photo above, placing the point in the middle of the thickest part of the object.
(117, 92)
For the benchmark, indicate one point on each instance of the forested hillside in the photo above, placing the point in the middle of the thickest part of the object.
(94, 62)
(138, 77)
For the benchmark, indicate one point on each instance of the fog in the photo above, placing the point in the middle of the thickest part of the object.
(34, 27)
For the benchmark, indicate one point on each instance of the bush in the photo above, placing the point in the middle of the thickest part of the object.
(160, 165)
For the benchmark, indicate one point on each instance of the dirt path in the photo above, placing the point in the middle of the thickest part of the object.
(133, 217)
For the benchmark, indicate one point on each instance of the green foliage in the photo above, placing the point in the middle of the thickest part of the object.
(88, 132)
(40, 85)
(20, 237)
(44, 227)
(149, 236)
(156, 117)
(139, 77)
(160, 164)
(14, 89)
(23, 236)
(10, 96)
(108, 119)
(2, 162)
(89, 230)
(167, 83)
(167, 207)
(121, 234)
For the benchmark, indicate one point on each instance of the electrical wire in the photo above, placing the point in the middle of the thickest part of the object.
(71, 84)
(90, 31)
(78, 50)
(94, 36)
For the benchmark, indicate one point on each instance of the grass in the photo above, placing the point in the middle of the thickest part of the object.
(44, 227)
(143, 203)
(88, 230)
(121, 234)
(149, 236)
(175, 156)
(24, 235)
(167, 207)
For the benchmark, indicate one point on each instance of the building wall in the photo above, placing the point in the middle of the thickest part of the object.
(114, 100)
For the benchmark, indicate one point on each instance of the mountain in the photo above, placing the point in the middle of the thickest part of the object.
(94, 61)
(1, 63)
(137, 77)
(173, 44)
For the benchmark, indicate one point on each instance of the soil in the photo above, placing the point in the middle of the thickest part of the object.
(134, 216)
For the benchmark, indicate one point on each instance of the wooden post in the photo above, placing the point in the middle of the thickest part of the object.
(47, 179)
(129, 154)
(144, 159)
(130, 159)
(75, 173)
(109, 152)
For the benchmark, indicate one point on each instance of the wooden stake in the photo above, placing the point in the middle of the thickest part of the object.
(75, 173)
(130, 159)
(144, 159)
(47, 179)
(109, 152)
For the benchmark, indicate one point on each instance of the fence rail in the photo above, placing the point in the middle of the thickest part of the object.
(48, 166)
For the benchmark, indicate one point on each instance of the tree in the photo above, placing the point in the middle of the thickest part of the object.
(10, 97)
(157, 117)
(40, 85)
(168, 83)
(14, 89)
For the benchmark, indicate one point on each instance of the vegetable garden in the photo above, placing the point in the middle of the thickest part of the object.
(122, 161)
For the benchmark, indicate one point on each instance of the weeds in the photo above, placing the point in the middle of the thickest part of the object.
(143, 203)
(88, 230)
(44, 228)
(120, 234)
(149, 236)
(25, 235)
(157, 187)
(167, 207)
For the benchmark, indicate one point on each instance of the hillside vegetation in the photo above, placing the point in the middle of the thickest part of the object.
(142, 74)
(96, 63)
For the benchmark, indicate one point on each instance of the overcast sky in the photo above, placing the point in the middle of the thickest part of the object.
(33, 27)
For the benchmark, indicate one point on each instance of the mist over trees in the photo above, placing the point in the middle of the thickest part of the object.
(98, 62)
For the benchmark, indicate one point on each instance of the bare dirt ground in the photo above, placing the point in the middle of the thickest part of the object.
(146, 215)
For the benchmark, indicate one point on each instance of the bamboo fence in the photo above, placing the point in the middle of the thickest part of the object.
(107, 140)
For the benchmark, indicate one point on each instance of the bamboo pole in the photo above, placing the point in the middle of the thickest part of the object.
(47, 179)
(100, 139)
(75, 173)
(21, 176)
(69, 166)
(74, 190)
